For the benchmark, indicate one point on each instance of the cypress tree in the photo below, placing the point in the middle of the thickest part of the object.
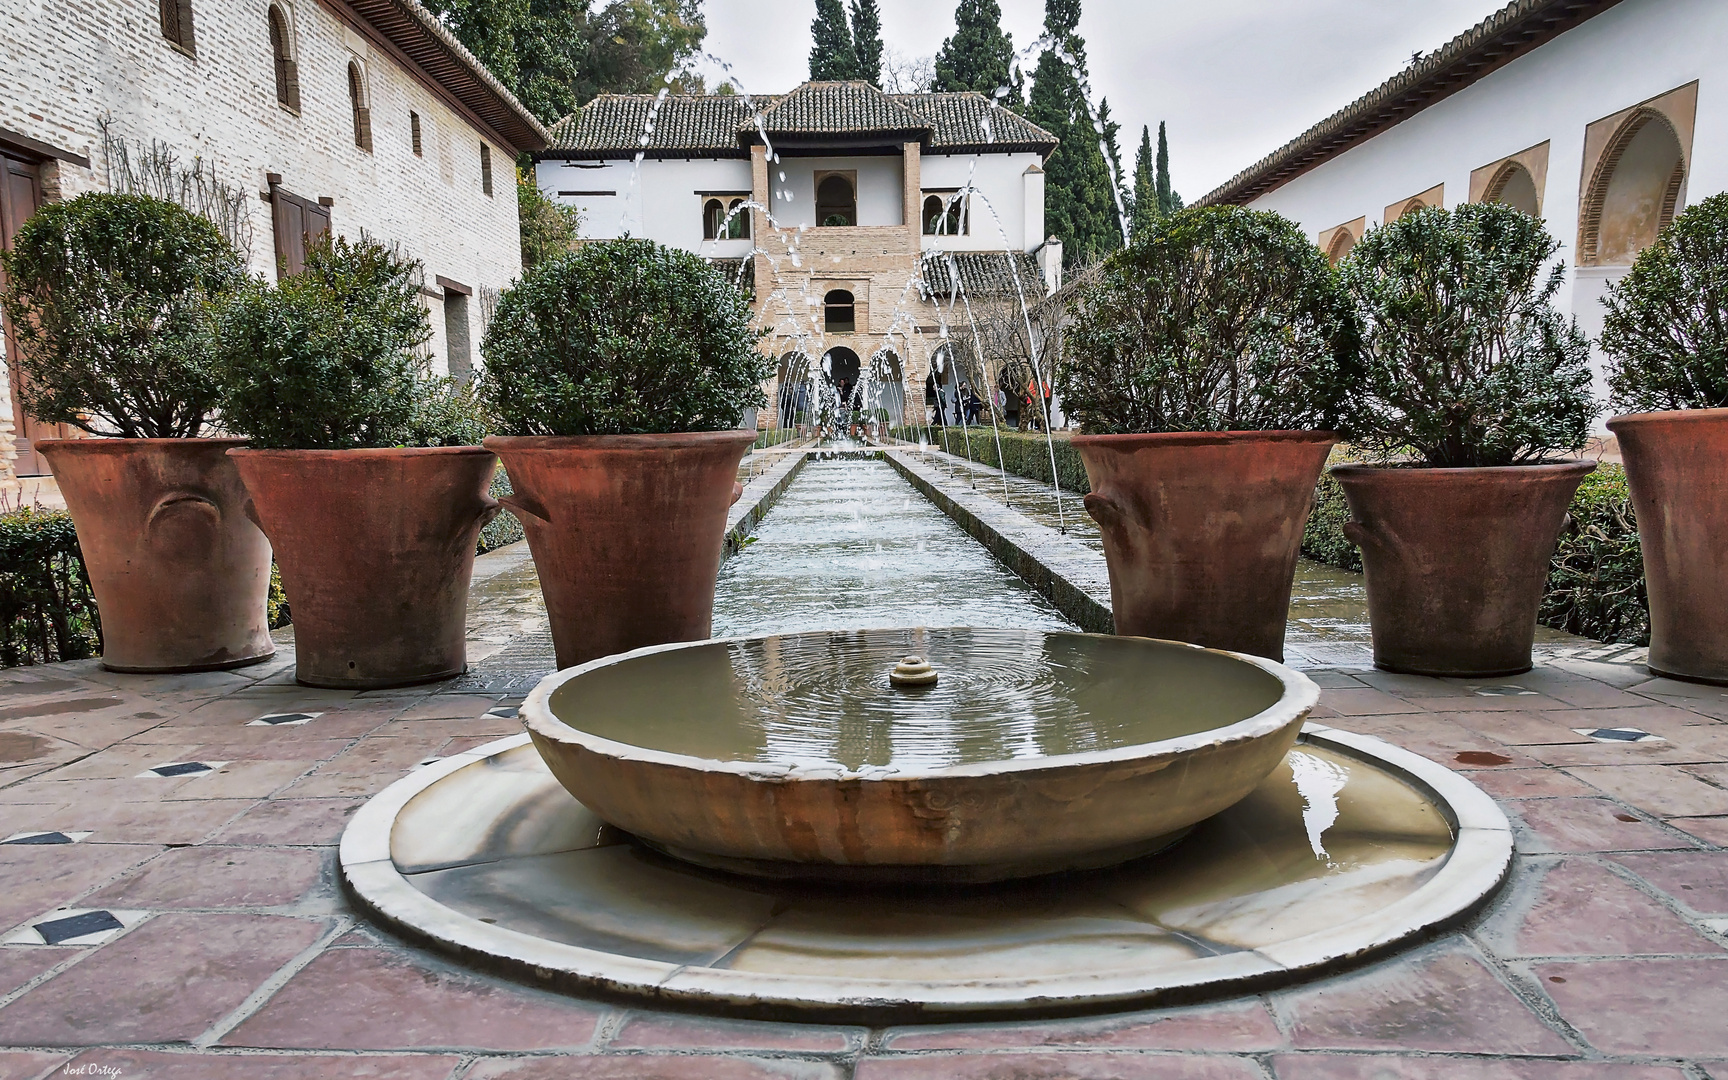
(1145, 211)
(1079, 207)
(1168, 201)
(1112, 130)
(867, 40)
(832, 57)
(980, 56)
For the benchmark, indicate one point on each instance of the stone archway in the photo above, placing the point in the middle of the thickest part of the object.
(1634, 192)
(793, 390)
(840, 370)
(885, 389)
(1514, 186)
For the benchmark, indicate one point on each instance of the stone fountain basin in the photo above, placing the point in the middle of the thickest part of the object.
(792, 756)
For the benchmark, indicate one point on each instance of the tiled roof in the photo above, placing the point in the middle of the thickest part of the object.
(984, 275)
(1496, 41)
(716, 125)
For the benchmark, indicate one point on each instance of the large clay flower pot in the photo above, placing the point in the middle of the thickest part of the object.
(376, 549)
(626, 532)
(1202, 529)
(1677, 466)
(1457, 560)
(181, 574)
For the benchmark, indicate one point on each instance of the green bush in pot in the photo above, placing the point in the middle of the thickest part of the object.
(618, 375)
(1470, 382)
(111, 298)
(1204, 366)
(362, 468)
(1666, 334)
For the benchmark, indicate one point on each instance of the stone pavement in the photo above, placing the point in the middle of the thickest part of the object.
(174, 837)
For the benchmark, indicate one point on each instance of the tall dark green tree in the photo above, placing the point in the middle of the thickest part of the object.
(1112, 142)
(980, 56)
(1168, 201)
(1143, 213)
(832, 56)
(556, 55)
(867, 40)
(1079, 205)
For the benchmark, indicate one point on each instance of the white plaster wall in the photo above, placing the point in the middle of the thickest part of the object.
(792, 188)
(999, 205)
(660, 201)
(1635, 51)
(66, 68)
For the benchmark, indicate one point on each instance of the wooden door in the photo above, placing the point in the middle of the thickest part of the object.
(20, 195)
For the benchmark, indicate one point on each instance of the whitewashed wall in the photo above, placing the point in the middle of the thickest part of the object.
(661, 201)
(1000, 181)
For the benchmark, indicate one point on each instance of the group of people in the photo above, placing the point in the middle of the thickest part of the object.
(1019, 407)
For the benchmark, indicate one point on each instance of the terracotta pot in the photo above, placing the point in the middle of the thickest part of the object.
(1202, 529)
(181, 574)
(376, 549)
(626, 532)
(1457, 560)
(1677, 465)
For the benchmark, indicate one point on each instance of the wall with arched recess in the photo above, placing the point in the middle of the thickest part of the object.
(1338, 241)
(1519, 180)
(1434, 196)
(1636, 166)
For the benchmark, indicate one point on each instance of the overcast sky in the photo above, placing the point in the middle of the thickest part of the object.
(1233, 79)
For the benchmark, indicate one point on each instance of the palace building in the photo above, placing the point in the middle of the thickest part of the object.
(864, 224)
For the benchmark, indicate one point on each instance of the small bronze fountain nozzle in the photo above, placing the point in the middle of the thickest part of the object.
(913, 671)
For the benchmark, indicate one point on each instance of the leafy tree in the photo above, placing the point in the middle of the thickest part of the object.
(111, 298)
(1143, 204)
(1168, 201)
(832, 57)
(547, 228)
(1080, 208)
(867, 40)
(556, 55)
(1219, 319)
(1667, 324)
(980, 56)
(1463, 356)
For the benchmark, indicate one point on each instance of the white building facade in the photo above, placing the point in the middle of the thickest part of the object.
(279, 119)
(1603, 117)
(863, 222)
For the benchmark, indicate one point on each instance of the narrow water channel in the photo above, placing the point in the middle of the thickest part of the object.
(850, 545)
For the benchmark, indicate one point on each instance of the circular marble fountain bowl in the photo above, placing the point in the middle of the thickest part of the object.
(1348, 848)
(793, 756)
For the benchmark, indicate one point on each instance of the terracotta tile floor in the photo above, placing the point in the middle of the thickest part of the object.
(1603, 958)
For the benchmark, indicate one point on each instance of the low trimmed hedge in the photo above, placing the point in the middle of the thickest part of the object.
(47, 611)
(505, 528)
(774, 437)
(1022, 455)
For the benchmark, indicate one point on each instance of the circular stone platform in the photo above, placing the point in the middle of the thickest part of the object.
(1350, 847)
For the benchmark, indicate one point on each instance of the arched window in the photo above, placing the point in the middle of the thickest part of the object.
(362, 112)
(485, 168)
(1635, 192)
(415, 139)
(282, 52)
(944, 214)
(177, 24)
(839, 312)
(713, 215)
(1342, 242)
(738, 228)
(836, 201)
(1514, 186)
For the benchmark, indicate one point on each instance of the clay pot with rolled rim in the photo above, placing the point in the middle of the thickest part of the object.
(376, 549)
(626, 532)
(1677, 467)
(1457, 560)
(1202, 530)
(181, 574)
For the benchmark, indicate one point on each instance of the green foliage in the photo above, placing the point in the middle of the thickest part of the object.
(505, 528)
(867, 40)
(447, 412)
(110, 297)
(1323, 535)
(832, 56)
(1022, 455)
(1223, 319)
(1079, 204)
(547, 228)
(774, 437)
(556, 55)
(1667, 323)
(326, 359)
(47, 611)
(622, 336)
(1464, 357)
(276, 610)
(980, 56)
(1596, 581)
(1168, 201)
(1143, 211)
(1112, 143)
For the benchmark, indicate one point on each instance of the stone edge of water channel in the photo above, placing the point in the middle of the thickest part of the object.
(759, 497)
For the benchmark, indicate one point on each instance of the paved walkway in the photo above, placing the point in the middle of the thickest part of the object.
(174, 835)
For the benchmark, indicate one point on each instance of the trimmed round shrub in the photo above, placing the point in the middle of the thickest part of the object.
(328, 359)
(1222, 319)
(621, 337)
(1666, 331)
(110, 297)
(1463, 357)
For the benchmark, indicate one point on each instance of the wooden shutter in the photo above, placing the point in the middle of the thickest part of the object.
(363, 127)
(298, 223)
(291, 75)
(177, 23)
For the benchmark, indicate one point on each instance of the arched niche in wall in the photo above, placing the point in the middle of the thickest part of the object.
(886, 389)
(1337, 241)
(792, 389)
(837, 198)
(1636, 165)
(1519, 181)
(1434, 196)
(839, 311)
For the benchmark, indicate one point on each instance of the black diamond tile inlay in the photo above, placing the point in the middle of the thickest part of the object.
(185, 768)
(284, 718)
(1619, 734)
(41, 838)
(503, 712)
(55, 931)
